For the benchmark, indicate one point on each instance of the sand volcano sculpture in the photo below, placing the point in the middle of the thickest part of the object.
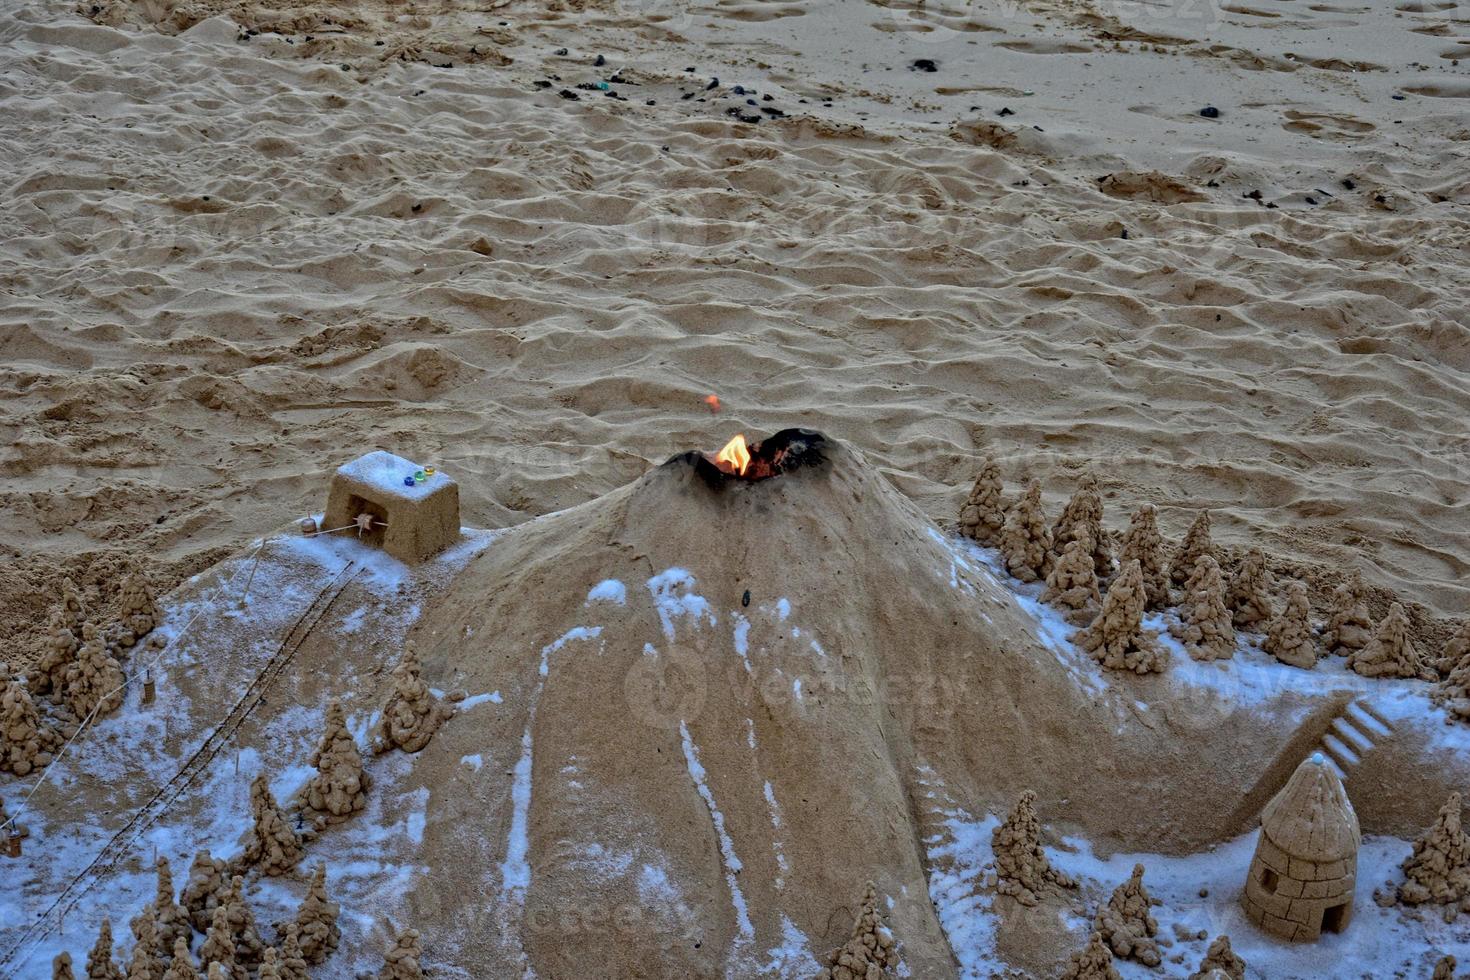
(694, 717)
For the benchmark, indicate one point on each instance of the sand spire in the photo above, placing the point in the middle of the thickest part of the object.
(1390, 653)
(1025, 541)
(1126, 923)
(983, 514)
(241, 920)
(94, 679)
(1444, 969)
(412, 714)
(1196, 542)
(205, 886)
(1456, 651)
(48, 676)
(72, 607)
(137, 609)
(1220, 958)
(401, 961)
(170, 921)
(1349, 625)
(270, 844)
(26, 741)
(1144, 544)
(1454, 691)
(219, 946)
(1021, 866)
(291, 963)
(1116, 638)
(1249, 596)
(1289, 635)
(100, 965)
(1072, 584)
(145, 963)
(339, 788)
(316, 920)
(1205, 627)
(61, 967)
(269, 970)
(182, 966)
(1092, 962)
(870, 953)
(1081, 520)
(1438, 871)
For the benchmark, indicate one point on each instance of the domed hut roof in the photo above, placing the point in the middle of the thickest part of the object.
(1312, 818)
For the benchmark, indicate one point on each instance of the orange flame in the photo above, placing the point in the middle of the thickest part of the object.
(735, 457)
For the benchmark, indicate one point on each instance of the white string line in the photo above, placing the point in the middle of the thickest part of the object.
(82, 728)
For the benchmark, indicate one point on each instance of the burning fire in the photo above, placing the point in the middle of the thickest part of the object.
(735, 457)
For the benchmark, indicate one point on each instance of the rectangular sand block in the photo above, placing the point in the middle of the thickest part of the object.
(422, 520)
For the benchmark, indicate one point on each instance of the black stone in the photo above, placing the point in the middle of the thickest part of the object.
(1210, 112)
(924, 64)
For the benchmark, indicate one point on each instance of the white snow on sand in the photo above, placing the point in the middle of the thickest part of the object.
(608, 590)
(674, 598)
(727, 846)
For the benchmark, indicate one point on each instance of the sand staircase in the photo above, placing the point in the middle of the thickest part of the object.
(1354, 733)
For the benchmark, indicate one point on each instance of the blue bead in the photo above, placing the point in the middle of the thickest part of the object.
(408, 481)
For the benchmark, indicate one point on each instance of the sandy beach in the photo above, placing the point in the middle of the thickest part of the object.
(1214, 254)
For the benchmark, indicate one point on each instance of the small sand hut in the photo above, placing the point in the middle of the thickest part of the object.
(411, 520)
(1306, 862)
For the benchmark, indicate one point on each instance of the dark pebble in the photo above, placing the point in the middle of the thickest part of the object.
(561, 52)
(599, 62)
(1311, 200)
(1210, 112)
(745, 599)
(567, 93)
(542, 83)
(1398, 98)
(739, 90)
(713, 83)
(750, 102)
(924, 64)
(651, 102)
(766, 98)
(1005, 111)
(1349, 183)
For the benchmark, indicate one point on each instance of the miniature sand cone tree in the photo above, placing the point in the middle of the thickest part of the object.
(100, 965)
(983, 514)
(1021, 866)
(401, 962)
(138, 610)
(1390, 653)
(1289, 635)
(145, 963)
(95, 679)
(270, 844)
(1305, 865)
(219, 947)
(1249, 595)
(1196, 542)
(1453, 693)
(61, 967)
(1116, 638)
(339, 788)
(1126, 923)
(1025, 542)
(62, 643)
(316, 920)
(1205, 627)
(1092, 962)
(1072, 584)
(291, 962)
(72, 607)
(246, 938)
(182, 966)
(1144, 544)
(1220, 958)
(1456, 651)
(26, 742)
(203, 890)
(1444, 969)
(170, 921)
(1349, 625)
(1438, 871)
(870, 953)
(268, 967)
(1081, 520)
(412, 714)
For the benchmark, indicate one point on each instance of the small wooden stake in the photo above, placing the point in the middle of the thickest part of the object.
(14, 848)
(148, 687)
